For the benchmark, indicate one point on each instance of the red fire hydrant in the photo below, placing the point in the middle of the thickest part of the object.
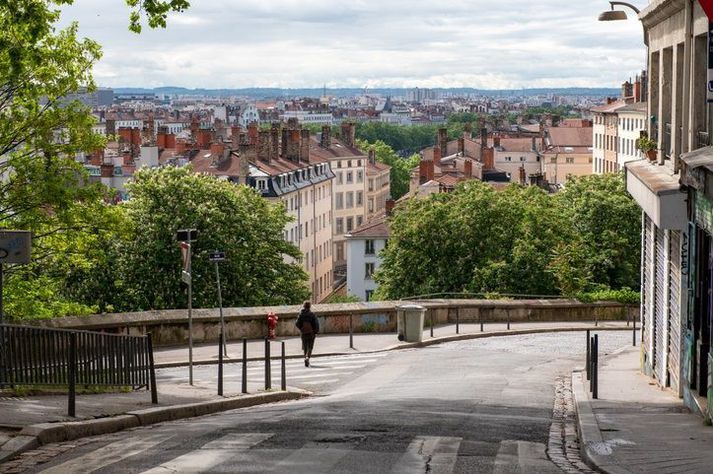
(271, 325)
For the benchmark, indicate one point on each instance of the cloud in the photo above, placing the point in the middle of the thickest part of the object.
(305, 43)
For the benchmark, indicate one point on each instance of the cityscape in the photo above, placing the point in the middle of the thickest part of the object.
(280, 253)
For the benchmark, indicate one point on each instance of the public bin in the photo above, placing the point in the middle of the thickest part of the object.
(409, 322)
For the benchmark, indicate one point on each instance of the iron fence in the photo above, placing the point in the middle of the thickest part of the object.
(31, 356)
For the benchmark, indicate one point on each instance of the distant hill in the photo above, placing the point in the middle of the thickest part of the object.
(259, 92)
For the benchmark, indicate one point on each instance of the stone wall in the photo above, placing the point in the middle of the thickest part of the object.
(170, 327)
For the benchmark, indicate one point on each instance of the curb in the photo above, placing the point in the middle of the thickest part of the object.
(34, 436)
(396, 347)
(594, 450)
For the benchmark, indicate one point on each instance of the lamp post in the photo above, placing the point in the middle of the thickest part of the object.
(617, 15)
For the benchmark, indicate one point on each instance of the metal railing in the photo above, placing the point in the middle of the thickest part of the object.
(666, 142)
(31, 356)
(703, 139)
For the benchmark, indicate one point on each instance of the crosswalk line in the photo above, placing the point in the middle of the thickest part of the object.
(433, 454)
(316, 382)
(211, 454)
(108, 454)
(315, 457)
(522, 457)
(316, 376)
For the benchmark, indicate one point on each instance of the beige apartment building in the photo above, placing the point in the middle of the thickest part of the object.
(378, 189)
(567, 152)
(606, 137)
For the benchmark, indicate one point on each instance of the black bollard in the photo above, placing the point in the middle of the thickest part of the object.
(283, 385)
(633, 335)
(351, 333)
(431, 323)
(457, 320)
(220, 364)
(268, 371)
(595, 372)
(245, 366)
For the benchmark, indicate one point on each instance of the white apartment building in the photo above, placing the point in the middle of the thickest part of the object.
(363, 247)
(632, 121)
(308, 118)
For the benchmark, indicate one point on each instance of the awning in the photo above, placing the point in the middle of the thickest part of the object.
(658, 193)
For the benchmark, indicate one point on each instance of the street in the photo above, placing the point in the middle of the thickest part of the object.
(478, 406)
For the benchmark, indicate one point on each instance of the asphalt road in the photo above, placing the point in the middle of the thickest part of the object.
(479, 406)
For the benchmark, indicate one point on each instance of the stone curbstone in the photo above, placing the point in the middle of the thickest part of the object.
(99, 426)
(46, 433)
(592, 445)
(18, 444)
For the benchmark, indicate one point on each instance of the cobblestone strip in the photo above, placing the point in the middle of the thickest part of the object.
(563, 445)
(30, 459)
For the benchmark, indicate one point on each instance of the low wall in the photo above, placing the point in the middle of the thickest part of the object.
(170, 327)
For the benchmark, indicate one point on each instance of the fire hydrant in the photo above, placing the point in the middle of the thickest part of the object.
(271, 325)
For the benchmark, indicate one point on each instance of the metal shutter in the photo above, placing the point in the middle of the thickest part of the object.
(674, 304)
(646, 290)
(660, 278)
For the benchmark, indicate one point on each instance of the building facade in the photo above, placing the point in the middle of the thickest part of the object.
(363, 248)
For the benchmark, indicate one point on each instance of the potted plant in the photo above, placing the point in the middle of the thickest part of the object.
(648, 146)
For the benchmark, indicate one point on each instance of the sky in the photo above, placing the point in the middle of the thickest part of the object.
(486, 44)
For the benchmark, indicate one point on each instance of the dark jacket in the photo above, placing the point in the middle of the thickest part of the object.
(307, 315)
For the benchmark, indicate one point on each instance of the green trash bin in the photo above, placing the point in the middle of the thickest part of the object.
(409, 322)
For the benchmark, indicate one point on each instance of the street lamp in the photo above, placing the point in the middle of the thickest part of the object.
(616, 15)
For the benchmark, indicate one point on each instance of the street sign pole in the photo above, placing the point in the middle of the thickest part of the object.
(190, 319)
(217, 257)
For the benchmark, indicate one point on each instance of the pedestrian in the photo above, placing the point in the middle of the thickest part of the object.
(309, 328)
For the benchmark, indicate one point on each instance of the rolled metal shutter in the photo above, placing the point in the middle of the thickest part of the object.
(659, 307)
(646, 280)
(674, 304)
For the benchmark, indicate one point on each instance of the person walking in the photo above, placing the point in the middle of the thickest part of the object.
(309, 328)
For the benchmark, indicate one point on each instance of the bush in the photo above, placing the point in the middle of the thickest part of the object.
(624, 296)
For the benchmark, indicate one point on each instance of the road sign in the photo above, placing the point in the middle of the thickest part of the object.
(187, 235)
(185, 256)
(15, 246)
(216, 256)
(186, 277)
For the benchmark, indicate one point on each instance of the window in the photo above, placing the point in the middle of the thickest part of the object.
(350, 177)
(508, 158)
(360, 198)
(359, 163)
(339, 163)
(339, 200)
(360, 219)
(350, 200)
(569, 160)
(349, 163)
(360, 176)
(340, 177)
(369, 247)
(553, 159)
(340, 225)
(371, 185)
(350, 224)
(368, 270)
(522, 158)
(371, 204)
(261, 184)
(306, 229)
(340, 251)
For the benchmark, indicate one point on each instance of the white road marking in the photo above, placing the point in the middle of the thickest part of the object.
(436, 454)
(320, 381)
(211, 454)
(522, 457)
(316, 376)
(314, 458)
(107, 455)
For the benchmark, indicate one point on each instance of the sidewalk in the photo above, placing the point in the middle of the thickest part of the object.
(30, 421)
(635, 427)
(337, 344)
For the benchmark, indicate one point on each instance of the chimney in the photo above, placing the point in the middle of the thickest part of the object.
(170, 140)
(425, 171)
(326, 138)
(523, 175)
(195, 125)
(637, 90)
(127, 158)
(263, 146)
(468, 168)
(217, 148)
(97, 157)
(443, 140)
(161, 137)
(304, 145)
(275, 141)
(437, 156)
(488, 159)
(235, 135)
(372, 156)
(181, 146)
(291, 141)
(389, 206)
(496, 141)
(348, 133)
(483, 138)
(461, 146)
(252, 133)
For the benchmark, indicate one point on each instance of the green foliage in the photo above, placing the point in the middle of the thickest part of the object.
(624, 295)
(400, 167)
(231, 218)
(368, 326)
(406, 139)
(156, 12)
(646, 144)
(39, 297)
(342, 299)
(518, 241)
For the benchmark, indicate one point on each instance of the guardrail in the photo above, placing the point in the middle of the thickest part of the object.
(32, 356)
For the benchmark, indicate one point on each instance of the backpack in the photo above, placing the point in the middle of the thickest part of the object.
(307, 328)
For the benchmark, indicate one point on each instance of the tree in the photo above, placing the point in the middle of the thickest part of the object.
(231, 218)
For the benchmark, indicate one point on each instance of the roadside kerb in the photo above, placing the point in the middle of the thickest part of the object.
(36, 435)
(594, 450)
(396, 347)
